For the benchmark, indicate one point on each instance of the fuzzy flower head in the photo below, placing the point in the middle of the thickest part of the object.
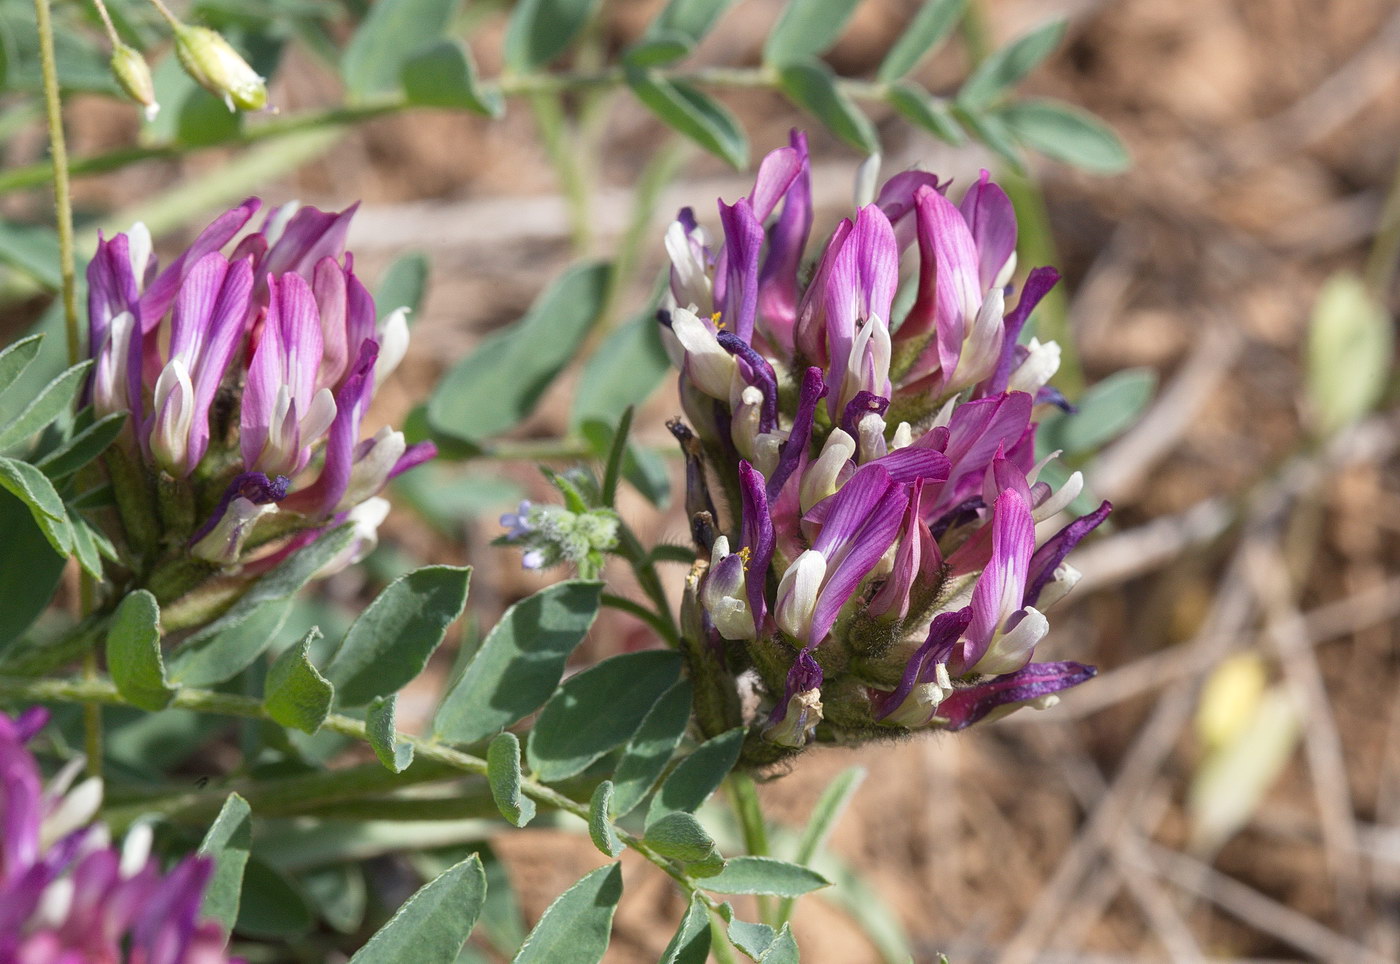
(552, 535)
(67, 895)
(884, 563)
(246, 366)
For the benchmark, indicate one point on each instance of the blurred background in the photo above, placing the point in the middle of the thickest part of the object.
(1229, 787)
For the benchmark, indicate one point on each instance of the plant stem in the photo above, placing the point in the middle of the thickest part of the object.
(58, 153)
(743, 797)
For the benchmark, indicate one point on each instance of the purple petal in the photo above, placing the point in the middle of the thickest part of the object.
(966, 706)
(309, 236)
(946, 244)
(1049, 556)
(112, 287)
(1002, 584)
(760, 375)
(156, 299)
(804, 675)
(777, 279)
(256, 487)
(861, 285)
(858, 407)
(989, 214)
(321, 497)
(852, 562)
(792, 451)
(916, 559)
(736, 279)
(1038, 285)
(776, 172)
(896, 199)
(413, 456)
(809, 332)
(976, 431)
(758, 538)
(301, 338)
(942, 636)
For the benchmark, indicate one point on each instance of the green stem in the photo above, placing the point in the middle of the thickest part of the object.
(641, 612)
(630, 548)
(743, 797)
(62, 201)
(564, 155)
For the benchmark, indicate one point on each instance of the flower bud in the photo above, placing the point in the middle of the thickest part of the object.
(724, 594)
(224, 543)
(134, 77)
(797, 594)
(213, 64)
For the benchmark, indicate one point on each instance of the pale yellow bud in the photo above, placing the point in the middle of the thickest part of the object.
(217, 67)
(134, 76)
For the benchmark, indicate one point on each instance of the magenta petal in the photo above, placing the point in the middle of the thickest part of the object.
(1002, 584)
(861, 285)
(321, 497)
(758, 538)
(301, 327)
(942, 636)
(853, 561)
(791, 452)
(776, 173)
(413, 456)
(309, 236)
(966, 706)
(777, 280)
(112, 287)
(977, 429)
(737, 296)
(809, 332)
(957, 295)
(989, 214)
(156, 299)
(1037, 286)
(328, 286)
(896, 199)
(1050, 555)
(804, 675)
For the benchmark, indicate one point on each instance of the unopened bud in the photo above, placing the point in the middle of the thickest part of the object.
(134, 77)
(213, 64)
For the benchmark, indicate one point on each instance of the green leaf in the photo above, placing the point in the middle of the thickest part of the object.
(30, 570)
(1008, 65)
(752, 939)
(993, 132)
(575, 928)
(624, 371)
(600, 827)
(691, 19)
(519, 664)
(497, 386)
(83, 447)
(229, 645)
(402, 284)
(649, 750)
(812, 86)
(919, 107)
(390, 642)
(929, 28)
(641, 467)
(698, 775)
(783, 950)
(807, 28)
(297, 695)
(679, 836)
(271, 904)
(829, 807)
(541, 30)
(16, 358)
(33, 249)
(383, 737)
(227, 841)
(503, 773)
(1105, 411)
(1067, 133)
(657, 49)
(339, 895)
(433, 924)
(444, 75)
(764, 875)
(598, 710)
(391, 33)
(133, 653)
(694, 113)
(691, 942)
(33, 488)
(1350, 351)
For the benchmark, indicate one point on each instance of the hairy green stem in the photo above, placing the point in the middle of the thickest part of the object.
(58, 169)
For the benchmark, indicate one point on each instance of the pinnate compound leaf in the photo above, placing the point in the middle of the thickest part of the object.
(228, 645)
(433, 924)
(503, 773)
(783, 950)
(403, 283)
(657, 49)
(500, 383)
(812, 86)
(133, 653)
(1105, 411)
(83, 447)
(919, 107)
(384, 737)
(34, 489)
(929, 28)
(691, 942)
(576, 927)
(1351, 344)
(765, 875)
(698, 775)
(520, 663)
(691, 19)
(597, 710)
(30, 570)
(752, 939)
(693, 113)
(541, 30)
(444, 75)
(297, 695)
(227, 841)
(624, 371)
(806, 29)
(14, 360)
(679, 836)
(1067, 133)
(390, 642)
(391, 33)
(52, 401)
(600, 827)
(650, 748)
(1006, 66)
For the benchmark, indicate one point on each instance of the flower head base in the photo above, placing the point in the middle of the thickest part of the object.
(67, 895)
(881, 464)
(247, 376)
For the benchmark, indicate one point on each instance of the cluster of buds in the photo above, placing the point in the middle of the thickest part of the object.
(67, 895)
(245, 379)
(890, 549)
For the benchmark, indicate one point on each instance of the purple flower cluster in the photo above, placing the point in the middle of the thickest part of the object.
(247, 377)
(67, 896)
(885, 567)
